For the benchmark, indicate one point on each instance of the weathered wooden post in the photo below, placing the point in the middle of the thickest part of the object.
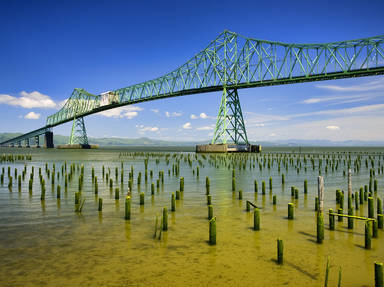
(165, 219)
(368, 234)
(256, 219)
(280, 251)
(127, 208)
(349, 188)
(212, 231)
(320, 215)
(331, 220)
(379, 281)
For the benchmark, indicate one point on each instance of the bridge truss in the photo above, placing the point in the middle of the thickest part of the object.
(232, 62)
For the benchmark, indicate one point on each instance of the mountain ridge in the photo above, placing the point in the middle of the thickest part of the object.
(145, 141)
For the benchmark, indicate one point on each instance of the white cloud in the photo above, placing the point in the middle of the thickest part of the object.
(142, 129)
(333, 128)
(348, 111)
(28, 100)
(343, 99)
(205, 116)
(156, 111)
(256, 120)
(187, 126)
(32, 116)
(194, 117)
(128, 112)
(205, 128)
(373, 85)
(361, 127)
(174, 114)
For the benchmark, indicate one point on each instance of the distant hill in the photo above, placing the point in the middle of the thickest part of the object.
(144, 141)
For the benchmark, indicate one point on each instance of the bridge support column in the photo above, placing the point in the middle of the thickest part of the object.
(230, 126)
(48, 139)
(37, 141)
(79, 133)
(19, 144)
(27, 143)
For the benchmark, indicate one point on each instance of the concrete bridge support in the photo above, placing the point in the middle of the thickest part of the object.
(37, 141)
(48, 139)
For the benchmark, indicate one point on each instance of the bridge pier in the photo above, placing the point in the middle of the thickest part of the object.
(230, 123)
(27, 143)
(37, 141)
(230, 134)
(79, 133)
(19, 144)
(48, 139)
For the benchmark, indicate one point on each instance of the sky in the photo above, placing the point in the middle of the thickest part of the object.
(48, 48)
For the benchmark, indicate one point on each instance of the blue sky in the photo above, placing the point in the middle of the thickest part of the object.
(50, 47)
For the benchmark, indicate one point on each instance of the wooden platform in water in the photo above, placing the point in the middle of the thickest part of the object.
(225, 148)
(77, 146)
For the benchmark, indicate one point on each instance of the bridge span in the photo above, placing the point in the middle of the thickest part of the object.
(229, 63)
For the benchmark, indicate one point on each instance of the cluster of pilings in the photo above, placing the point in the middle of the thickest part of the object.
(62, 176)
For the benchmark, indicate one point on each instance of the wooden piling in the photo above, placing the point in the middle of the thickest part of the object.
(320, 227)
(77, 198)
(263, 187)
(379, 281)
(209, 199)
(280, 251)
(165, 219)
(350, 219)
(340, 218)
(212, 231)
(256, 219)
(371, 211)
(379, 208)
(233, 183)
(290, 211)
(305, 186)
(331, 220)
(173, 202)
(181, 184)
(141, 198)
(380, 221)
(368, 234)
(326, 273)
(100, 206)
(210, 212)
(127, 208)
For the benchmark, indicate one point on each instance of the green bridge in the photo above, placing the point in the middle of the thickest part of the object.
(229, 63)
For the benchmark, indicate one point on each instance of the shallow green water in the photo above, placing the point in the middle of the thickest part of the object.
(49, 244)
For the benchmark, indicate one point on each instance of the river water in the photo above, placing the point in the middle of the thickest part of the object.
(47, 243)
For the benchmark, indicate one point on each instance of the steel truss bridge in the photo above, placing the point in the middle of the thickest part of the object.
(229, 63)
